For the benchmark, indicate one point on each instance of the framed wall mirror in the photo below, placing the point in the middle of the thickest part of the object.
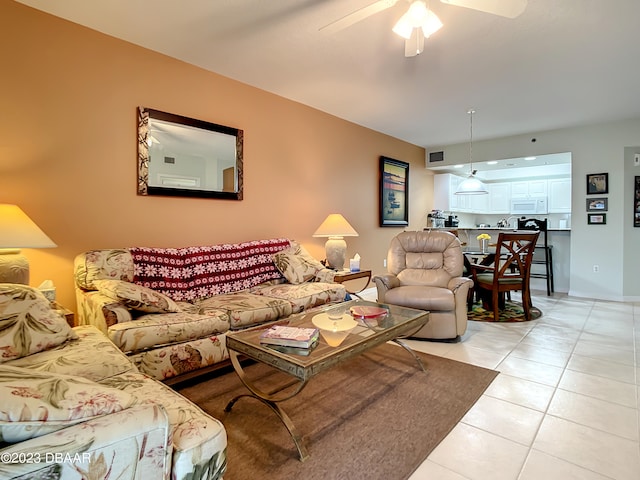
(184, 157)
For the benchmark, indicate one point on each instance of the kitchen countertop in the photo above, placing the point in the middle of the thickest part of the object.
(568, 229)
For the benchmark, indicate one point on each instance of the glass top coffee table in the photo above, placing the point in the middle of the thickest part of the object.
(370, 332)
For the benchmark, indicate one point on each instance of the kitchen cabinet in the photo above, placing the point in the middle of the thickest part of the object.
(529, 188)
(444, 187)
(559, 195)
(499, 200)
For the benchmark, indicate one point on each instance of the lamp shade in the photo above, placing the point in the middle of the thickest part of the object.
(17, 230)
(471, 186)
(335, 225)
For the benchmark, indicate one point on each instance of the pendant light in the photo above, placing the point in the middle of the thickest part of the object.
(471, 185)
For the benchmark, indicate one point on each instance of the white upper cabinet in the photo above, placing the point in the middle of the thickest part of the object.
(499, 197)
(560, 195)
(529, 188)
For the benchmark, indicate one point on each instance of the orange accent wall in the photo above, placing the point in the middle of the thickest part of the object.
(68, 152)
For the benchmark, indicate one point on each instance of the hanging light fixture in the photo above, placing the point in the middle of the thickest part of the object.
(471, 185)
(418, 23)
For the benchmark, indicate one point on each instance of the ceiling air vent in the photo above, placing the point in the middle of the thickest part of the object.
(435, 157)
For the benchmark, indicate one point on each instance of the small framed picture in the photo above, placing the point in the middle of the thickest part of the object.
(636, 202)
(597, 183)
(599, 204)
(596, 218)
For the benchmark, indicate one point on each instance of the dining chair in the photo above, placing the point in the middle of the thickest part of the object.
(510, 271)
(546, 257)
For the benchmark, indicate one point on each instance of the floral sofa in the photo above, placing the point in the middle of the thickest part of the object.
(73, 406)
(169, 310)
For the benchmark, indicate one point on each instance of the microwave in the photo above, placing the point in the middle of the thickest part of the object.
(529, 206)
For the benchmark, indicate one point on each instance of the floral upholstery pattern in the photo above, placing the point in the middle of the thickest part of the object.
(28, 324)
(72, 358)
(296, 264)
(199, 441)
(245, 309)
(159, 329)
(168, 361)
(133, 444)
(306, 295)
(36, 403)
(136, 297)
(115, 264)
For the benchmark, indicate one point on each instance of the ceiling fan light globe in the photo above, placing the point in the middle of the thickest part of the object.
(417, 13)
(431, 24)
(403, 27)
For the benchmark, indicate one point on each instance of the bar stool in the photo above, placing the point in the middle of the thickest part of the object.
(542, 246)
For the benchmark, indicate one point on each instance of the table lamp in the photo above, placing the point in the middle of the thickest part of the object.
(18, 231)
(335, 226)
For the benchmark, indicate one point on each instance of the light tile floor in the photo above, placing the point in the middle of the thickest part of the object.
(565, 405)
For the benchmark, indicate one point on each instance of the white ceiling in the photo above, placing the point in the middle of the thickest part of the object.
(562, 63)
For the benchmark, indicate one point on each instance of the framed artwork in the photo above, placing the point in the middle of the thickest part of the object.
(597, 204)
(394, 193)
(597, 183)
(596, 218)
(636, 202)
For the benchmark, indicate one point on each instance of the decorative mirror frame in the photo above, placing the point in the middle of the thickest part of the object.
(144, 114)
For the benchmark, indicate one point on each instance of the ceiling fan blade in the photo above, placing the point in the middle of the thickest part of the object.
(414, 45)
(358, 15)
(504, 8)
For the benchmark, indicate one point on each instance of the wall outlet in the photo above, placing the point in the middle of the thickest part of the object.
(636, 159)
(384, 263)
(596, 269)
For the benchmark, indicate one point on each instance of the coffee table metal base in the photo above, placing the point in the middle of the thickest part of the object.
(271, 399)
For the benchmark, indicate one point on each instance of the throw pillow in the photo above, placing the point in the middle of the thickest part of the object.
(136, 296)
(296, 264)
(28, 324)
(36, 403)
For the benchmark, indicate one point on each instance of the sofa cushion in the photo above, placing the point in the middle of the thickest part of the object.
(136, 297)
(306, 295)
(114, 264)
(168, 361)
(296, 264)
(245, 309)
(36, 403)
(156, 329)
(28, 324)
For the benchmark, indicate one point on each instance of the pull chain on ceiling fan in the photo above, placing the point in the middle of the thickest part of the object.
(419, 22)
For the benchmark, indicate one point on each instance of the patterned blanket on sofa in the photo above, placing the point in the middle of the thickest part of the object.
(192, 273)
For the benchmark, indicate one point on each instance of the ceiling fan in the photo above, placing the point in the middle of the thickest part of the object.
(419, 22)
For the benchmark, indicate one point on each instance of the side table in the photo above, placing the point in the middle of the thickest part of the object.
(346, 276)
(68, 314)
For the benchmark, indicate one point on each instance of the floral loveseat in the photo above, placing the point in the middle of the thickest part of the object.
(169, 310)
(73, 406)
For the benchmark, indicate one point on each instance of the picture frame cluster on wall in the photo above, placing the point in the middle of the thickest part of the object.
(597, 184)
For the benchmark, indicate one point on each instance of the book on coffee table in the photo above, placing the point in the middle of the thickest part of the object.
(290, 336)
(294, 350)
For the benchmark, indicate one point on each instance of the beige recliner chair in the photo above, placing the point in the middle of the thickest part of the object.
(425, 271)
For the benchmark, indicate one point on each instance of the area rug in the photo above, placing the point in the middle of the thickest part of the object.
(513, 312)
(376, 416)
